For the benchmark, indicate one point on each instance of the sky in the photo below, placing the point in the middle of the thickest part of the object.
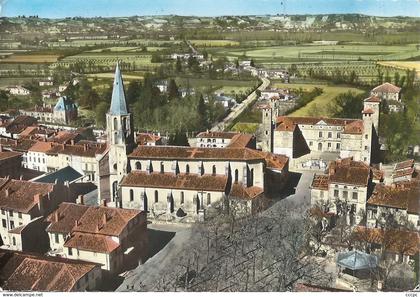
(109, 8)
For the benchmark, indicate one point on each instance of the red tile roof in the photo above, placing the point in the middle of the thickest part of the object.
(240, 140)
(404, 165)
(31, 272)
(245, 193)
(404, 195)
(4, 155)
(320, 182)
(41, 147)
(188, 153)
(373, 99)
(92, 242)
(387, 88)
(368, 111)
(70, 217)
(21, 196)
(347, 171)
(181, 181)
(144, 138)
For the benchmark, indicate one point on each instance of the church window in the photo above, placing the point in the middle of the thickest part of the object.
(214, 169)
(236, 175)
(131, 195)
(115, 166)
(162, 167)
(208, 198)
(138, 166)
(182, 197)
(187, 169)
(115, 123)
(156, 196)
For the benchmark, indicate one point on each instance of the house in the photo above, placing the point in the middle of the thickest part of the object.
(10, 163)
(18, 90)
(344, 190)
(162, 86)
(395, 204)
(18, 145)
(46, 82)
(403, 171)
(223, 139)
(63, 112)
(148, 139)
(19, 124)
(104, 235)
(33, 272)
(37, 155)
(387, 91)
(311, 142)
(23, 204)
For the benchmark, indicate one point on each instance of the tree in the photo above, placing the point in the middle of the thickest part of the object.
(100, 114)
(4, 100)
(178, 66)
(346, 105)
(133, 91)
(172, 89)
(202, 112)
(179, 139)
(397, 78)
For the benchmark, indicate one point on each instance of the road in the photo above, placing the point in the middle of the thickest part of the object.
(238, 109)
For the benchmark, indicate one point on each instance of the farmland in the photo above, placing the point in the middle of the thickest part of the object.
(30, 58)
(317, 107)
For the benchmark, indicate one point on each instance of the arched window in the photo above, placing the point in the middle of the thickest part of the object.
(114, 189)
(214, 169)
(131, 195)
(251, 177)
(115, 137)
(162, 167)
(124, 124)
(236, 175)
(187, 169)
(208, 198)
(115, 124)
(138, 165)
(156, 196)
(182, 197)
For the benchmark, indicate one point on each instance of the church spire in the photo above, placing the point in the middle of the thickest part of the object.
(118, 103)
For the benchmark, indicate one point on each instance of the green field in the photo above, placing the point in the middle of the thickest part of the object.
(321, 102)
(245, 127)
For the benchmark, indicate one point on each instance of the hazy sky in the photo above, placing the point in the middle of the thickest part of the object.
(106, 8)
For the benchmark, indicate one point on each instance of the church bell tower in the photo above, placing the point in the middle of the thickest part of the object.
(120, 136)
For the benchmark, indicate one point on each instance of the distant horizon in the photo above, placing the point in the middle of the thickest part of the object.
(206, 8)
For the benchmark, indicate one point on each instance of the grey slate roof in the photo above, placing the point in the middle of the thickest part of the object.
(356, 260)
(118, 103)
(65, 174)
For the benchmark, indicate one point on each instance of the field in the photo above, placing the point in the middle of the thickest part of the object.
(329, 92)
(245, 127)
(214, 43)
(226, 86)
(29, 58)
(402, 65)
(311, 52)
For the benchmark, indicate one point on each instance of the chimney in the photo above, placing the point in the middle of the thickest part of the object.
(81, 199)
(104, 202)
(76, 223)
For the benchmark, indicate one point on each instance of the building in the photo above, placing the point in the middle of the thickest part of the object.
(223, 139)
(46, 82)
(18, 145)
(113, 164)
(63, 112)
(395, 204)
(37, 155)
(23, 205)
(164, 179)
(311, 142)
(148, 139)
(104, 235)
(18, 90)
(344, 190)
(403, 171)
(32, 272)
(387, 91)
(19, 124)
(10, 163)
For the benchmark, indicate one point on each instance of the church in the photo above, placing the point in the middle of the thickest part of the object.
(181, 183)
